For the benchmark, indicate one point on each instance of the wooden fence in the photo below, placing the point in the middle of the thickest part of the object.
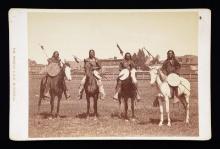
(112, 76)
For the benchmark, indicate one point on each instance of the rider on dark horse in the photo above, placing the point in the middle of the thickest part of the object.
(171, 65)
(55, 59)
(127, 63)
(94, 62)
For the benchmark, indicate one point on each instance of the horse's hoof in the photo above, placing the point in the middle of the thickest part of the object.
(87, 117)
(160, 124)
(169, 125)
(95, 119)
(126, 120)
(187, 121)
(133, 119)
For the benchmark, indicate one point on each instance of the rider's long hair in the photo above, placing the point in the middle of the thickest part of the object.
(91, 50)
(129, 54)
(55, 53)
(174, 57)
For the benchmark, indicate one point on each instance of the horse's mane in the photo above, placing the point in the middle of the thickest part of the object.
(91, 83)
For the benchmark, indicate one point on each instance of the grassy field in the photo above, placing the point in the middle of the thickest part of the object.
(71, 124)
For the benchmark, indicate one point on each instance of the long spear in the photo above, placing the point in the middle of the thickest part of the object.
(148, 52)
(42, 48)
(76, 58)
(120, 50)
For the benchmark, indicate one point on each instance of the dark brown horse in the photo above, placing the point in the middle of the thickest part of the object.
(91, 89)
(128, 90)
(56, 87)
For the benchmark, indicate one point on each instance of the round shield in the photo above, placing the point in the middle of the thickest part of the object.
(123, 74)
(173, 79)
(53, 69)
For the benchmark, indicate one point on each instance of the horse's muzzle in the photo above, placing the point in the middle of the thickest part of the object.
(69, 79)
(152, 84)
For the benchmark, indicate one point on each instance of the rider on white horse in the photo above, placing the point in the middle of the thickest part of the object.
(96, 66)
(126, 67)
(171, 65)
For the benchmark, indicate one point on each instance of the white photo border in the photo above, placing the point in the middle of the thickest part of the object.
(19, 85)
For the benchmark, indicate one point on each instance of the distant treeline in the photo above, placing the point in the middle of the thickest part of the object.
(140, 60)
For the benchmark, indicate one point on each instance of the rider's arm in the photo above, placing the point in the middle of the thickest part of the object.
(164, 67)
(132, 65)
(61, 61)
(120, 66)
(86, 67)
(49, 60)
(98, 65)
(177, 66)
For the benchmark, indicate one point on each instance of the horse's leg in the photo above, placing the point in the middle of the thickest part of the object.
(126, 108)
(51, 104)
(161, 111)
(168, 111)
(95, 99)
(187, 109)
(41, 95)
(39, 104)
(88, 105)
(120, 107)
(58, 106)
(132, 108)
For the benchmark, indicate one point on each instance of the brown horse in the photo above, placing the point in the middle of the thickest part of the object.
(128, 90)
(91, 90)
(56, 87)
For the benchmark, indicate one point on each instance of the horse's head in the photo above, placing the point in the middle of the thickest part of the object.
(91, 86)
(67, 71)
(89, 70)
(154, 72)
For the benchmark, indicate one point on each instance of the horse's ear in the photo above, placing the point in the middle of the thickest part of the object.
(67, 64)
(150, 67)
(158, 66)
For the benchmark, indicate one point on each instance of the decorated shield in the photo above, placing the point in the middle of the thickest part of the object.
(123, 74)
(173, 79)
(53, 69)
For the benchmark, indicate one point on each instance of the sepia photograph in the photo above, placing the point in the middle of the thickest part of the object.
(110, 74)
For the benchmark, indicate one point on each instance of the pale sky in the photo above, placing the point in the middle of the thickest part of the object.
(76, 33)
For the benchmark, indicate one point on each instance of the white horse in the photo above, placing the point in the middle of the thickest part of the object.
(156, 75)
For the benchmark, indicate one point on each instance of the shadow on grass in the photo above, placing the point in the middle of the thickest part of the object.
(156, 121)
(120, 116)
(84, 115)
(46, 115)
(115, 115)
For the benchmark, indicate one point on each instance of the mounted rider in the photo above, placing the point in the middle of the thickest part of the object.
(94, 62)
(126, 67)
(55, 59)
(171, 65)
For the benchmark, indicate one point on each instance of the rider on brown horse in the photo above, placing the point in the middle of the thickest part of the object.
(171, 65)
(127, 63)
(93, 61)
(55, 59)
